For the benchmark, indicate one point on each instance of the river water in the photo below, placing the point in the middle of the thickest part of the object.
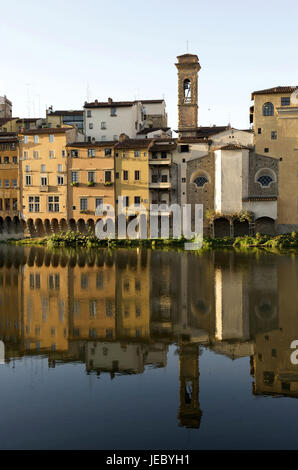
(140, 349)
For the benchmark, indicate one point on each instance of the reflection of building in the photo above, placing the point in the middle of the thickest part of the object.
(118, 312)
(189, 410)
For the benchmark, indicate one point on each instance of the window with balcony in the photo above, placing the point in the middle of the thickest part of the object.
(91, 177)
(108, 176)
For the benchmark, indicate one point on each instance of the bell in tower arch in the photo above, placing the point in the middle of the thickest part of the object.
(187, 90)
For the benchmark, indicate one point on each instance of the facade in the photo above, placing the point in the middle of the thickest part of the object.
(44, 178)
(9, 183)
(217, 166)
(132, 171)
(5, 107)
(105, 121)
(91, 182)
(64, 118)
(274, 116)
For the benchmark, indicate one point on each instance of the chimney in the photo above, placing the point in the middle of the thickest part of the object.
(110, 101)
(123, 137)
(96, 101)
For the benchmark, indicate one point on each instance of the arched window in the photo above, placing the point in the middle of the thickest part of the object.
(200, 181)
(187, 90)
(268, 109)
(265, 180)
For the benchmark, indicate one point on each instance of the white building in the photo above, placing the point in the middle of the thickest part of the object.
(105, 121)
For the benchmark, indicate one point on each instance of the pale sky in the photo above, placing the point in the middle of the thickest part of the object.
(66, 51)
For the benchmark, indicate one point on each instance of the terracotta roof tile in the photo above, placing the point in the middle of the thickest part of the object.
(275, 90)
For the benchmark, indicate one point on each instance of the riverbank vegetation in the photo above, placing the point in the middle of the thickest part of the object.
(75, 239)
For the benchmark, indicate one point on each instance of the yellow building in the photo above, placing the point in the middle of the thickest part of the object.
(90, 182)
(132, 171)
(9, 181)
(44, 178)
(64, 118)
(275, 122)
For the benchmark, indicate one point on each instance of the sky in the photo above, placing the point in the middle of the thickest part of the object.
(63, 53)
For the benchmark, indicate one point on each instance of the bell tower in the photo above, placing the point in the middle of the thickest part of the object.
(188, 68)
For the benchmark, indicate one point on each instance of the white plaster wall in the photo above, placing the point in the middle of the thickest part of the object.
(262, 208)
(123, 122)
(217, 183)
(231, 180)
(232, 136)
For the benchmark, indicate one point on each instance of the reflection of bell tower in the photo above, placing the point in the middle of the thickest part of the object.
(189, 410)
(188, 67)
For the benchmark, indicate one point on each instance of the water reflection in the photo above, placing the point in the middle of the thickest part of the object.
(118, 311)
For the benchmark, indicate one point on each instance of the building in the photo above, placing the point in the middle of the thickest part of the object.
(5, 107)
(105, 121)
(274, 116)
(9, 184)
(91, 182)
(217, 166)
(132, 172)
(64, 118)
(44, 178)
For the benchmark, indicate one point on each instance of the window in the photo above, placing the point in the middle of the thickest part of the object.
(273, 135)
(1, 204)
(36, 139)
(90, 125)
(137, 175)
(285, 101)
(28, 180)
(6, 183)
(35, 154)
(26, 155)
(44, 181)
(154, 155)
(91, 176)
(117, 175)
(89, 113)
(200, 181)
(265, 180)
(63, 153)
(60, 180)
(125, 201)
(108, 176)
(163, 154)
(108, 152)
(42, 168)
(266, 149)
(74, 153)
(26, 139)
(14, 183)
(91, 153)
(137, 200)
(113, 111)
(53, 203)
(92, 308)
(74, 177)
(154, 179)
(259, 130)
(15, 204)
(27, 168)
(54, 281)
(184, 148)
(7, 204)
(125, 175)
(52, 153)
(137, 153)
(268, 109)
(98, 203)
(6, 160)
(183, 180)
(103, 138)
(12, 146)
(103, 125)
(83, 204)
(115, 137)
(51, 138)
(14, 159)
(33, 203)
